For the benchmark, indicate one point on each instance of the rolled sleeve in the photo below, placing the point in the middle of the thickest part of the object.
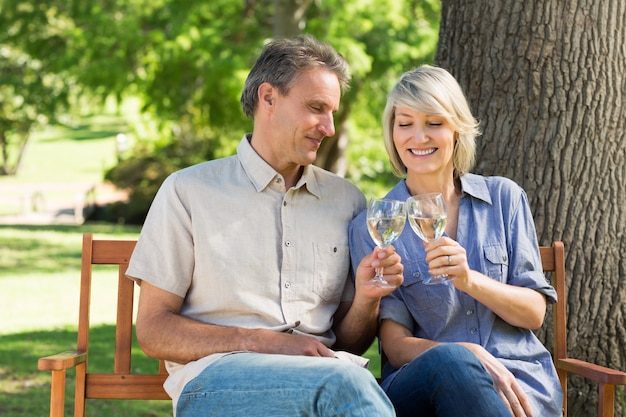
(392, 308)
(525, 263)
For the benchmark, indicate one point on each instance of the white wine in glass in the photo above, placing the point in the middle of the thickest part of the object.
(427, 217)
(385, 223)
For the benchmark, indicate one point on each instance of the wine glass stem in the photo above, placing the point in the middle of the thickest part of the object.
(379, 274)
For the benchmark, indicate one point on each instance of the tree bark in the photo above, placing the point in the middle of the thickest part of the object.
(4, 152)
(289, 16)
(547, 80)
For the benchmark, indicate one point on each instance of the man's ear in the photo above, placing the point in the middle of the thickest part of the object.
(266, 95)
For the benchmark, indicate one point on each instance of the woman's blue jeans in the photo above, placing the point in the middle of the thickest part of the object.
(445, 381)
(254, 384)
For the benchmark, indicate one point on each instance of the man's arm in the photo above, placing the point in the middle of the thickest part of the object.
(163, 333)
(356, 323)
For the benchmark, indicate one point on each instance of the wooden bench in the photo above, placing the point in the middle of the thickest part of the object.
(553, 260)
(121, 383)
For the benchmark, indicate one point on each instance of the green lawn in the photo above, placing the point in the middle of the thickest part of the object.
(61, 163)
(40, 270)
(72, 154)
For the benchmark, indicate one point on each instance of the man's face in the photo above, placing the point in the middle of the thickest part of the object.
(302, 118)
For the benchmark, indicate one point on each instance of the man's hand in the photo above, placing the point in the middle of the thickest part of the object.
(390, 261)
(291, 344)
(356, 322)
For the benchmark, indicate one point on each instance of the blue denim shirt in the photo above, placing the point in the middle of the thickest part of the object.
(497, 231)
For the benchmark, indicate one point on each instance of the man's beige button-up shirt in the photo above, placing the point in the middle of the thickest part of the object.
(246, 252)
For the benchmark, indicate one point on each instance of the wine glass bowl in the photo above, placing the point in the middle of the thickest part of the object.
(427, 216)
(385, 222)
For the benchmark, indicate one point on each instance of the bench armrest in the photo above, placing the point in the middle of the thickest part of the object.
(600, 374)
(61, 361)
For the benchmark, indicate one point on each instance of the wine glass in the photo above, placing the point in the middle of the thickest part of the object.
(427, 217)
(385, 221)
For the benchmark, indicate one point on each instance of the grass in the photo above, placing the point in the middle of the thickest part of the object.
(62, 162)
(72, 154)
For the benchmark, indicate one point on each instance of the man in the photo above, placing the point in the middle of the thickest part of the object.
(244, 264)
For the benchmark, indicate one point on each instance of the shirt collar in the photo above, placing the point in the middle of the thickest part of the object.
(309, 181)
(472, 185)
(475, 186)
(261, 174)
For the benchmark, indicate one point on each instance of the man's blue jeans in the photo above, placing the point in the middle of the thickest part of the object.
(445, 381)
(254, 384)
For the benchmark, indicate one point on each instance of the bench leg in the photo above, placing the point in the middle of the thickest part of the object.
(57, 394)
(606, 400)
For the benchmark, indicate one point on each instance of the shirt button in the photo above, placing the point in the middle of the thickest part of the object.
(473, 330)
(288, 243)
(287, 284)
(469, 312)
(284, 204)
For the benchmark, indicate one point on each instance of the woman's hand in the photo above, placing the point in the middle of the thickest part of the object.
(519, 306)
(446, 257)
(504, 382)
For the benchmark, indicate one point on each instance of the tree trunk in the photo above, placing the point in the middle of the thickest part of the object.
(7, 167)
(4, 152)
(547, 80)
(332, 153)
(289, 16)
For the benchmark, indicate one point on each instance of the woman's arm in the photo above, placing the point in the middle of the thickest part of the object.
(399, 345)
(518, 306)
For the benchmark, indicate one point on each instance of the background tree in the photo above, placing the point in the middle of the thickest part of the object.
(31, 93)
(546, 79)
(187, 61)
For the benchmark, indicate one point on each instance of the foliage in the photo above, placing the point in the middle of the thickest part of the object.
(31, 93)
(187, 62)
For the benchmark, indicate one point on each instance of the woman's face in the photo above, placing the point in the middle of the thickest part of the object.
(424, 142)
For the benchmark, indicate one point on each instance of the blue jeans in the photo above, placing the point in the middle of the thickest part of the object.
(445, 381)
(254, 384)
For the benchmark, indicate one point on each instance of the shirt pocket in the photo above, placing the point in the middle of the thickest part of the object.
(496, 262)
(332, 263)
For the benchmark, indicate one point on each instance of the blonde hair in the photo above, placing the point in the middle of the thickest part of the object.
(433, 91)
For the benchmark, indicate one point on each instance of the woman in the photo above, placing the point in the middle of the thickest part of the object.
(471, 337)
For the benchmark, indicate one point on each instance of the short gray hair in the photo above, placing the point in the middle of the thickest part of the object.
(283, 59)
